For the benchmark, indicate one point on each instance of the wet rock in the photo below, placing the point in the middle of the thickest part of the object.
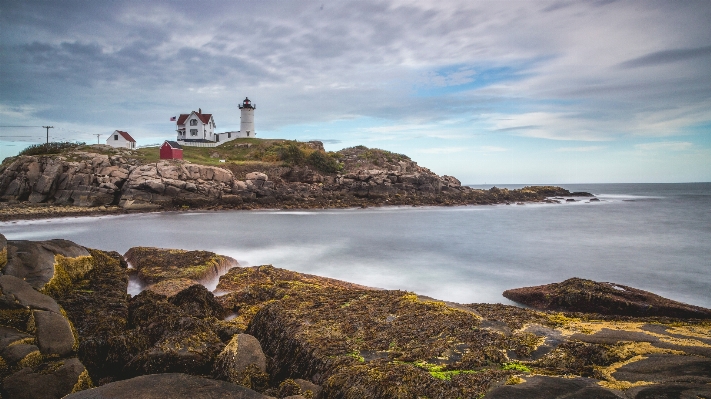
(14, 353)
(666, 368)
(171, 287)
(176, 341)
(243, 351)
(97, 306)
(9, 335)
(50, 381)
(34, 261)
(345, 339)
(309, 386)
(17, 293)
(540, 387)
(664, 391)
(157, 264)
(54, 335)
(251, 287)
(197, 301)
(175, 385)
(3, 251)
(579, 295)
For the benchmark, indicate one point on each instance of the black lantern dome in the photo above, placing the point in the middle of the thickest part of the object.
(247, 104)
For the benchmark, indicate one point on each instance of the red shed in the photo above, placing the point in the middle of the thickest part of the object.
(171, 150)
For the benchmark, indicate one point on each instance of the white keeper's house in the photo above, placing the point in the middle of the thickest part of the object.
(198, 130)
(120, 139)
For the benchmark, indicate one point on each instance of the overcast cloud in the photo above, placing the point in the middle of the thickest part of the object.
(444, 79)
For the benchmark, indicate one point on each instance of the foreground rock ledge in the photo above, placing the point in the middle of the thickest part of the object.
(587, 296)
(323, 338)
(174, 386)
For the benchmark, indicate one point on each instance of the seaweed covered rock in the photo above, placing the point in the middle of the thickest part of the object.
(175, 340)
(52, 380)
(197, 301)
(243, 362)
(97, 306)
(37, 344)
(172, 385)
(47, 265)
(250, 288)
(153, 265)
(3, 251)
(580, 295)
(170, 287)
(365, 343)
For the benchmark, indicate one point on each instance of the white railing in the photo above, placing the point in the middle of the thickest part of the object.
(196, 144)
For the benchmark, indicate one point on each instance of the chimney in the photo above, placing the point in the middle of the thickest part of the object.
(199, 110)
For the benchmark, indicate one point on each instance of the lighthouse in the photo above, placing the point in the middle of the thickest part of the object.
(246, 124)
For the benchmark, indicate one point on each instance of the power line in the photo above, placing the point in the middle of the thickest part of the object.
(20, 126)
(48, 127)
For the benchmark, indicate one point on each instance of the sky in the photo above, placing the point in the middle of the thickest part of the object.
(488, 91)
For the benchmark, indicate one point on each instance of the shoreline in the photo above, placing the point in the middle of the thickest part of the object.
(26, 211)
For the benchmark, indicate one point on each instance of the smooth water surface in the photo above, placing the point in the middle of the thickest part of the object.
(655, 237)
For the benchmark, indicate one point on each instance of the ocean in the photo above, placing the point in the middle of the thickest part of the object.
(655, 237)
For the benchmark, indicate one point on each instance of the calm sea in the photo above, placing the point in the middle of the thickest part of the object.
(655, 237)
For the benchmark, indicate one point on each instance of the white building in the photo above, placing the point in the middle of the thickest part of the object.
(120, 139)
(196, 127)
(246, 123)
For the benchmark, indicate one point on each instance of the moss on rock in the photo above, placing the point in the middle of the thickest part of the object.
(67, 271)
(84, 382)
(157, 264)
(251, 288)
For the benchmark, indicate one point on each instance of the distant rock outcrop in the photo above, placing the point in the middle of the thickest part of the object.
(580, 295)
(115, 177)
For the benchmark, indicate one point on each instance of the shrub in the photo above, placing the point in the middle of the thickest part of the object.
(324, 162)
(50, 148)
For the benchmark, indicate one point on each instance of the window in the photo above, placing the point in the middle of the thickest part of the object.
(115, 136)
(193, 132)
(193, 122)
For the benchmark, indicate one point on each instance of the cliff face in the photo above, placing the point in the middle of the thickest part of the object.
(118, 177)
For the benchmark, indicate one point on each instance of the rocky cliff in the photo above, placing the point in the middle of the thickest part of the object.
(102, 176)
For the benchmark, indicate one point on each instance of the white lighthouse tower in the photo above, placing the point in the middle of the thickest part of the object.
(246, 124)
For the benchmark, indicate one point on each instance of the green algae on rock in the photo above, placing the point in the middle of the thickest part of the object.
(153, 265)
(360, 350)
(250, 288)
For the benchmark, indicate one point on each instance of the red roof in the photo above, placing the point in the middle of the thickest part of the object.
(205, 118)
(126, 136)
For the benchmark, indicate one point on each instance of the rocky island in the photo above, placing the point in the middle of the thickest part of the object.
(68, 179)
(68, 327)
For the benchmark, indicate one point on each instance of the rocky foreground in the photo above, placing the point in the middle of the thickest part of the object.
(100, 179)
(67, 327)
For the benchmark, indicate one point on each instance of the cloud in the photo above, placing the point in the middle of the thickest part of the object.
(581, 149)
(665, 146)
(441, 150)
(667, 56)
(557, 70)
(489, 148)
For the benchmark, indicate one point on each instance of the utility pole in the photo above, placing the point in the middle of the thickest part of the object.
(97, 138)
(48, 127)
